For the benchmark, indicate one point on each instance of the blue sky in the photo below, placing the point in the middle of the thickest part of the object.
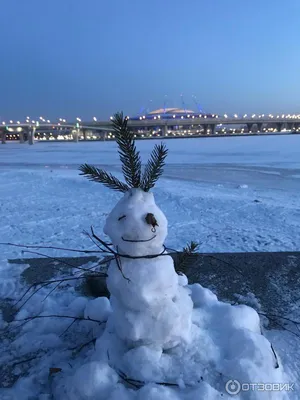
(68, 58)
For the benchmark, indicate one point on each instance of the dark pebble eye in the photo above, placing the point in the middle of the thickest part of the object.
(123, 216)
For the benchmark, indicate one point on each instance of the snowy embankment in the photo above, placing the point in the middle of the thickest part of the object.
(229, 194)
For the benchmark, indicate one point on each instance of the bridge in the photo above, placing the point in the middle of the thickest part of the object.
(195, 126)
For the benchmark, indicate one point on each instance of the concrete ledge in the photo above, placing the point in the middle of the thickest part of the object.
(273, 278)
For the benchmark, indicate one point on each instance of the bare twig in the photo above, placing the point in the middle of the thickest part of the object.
(68, 327)
(118, 261)
(54, 259)
(46, 283)
(275, 320)
(280, 317)
(28, 319)
(49, 247)
(138, 384)
(81, 346)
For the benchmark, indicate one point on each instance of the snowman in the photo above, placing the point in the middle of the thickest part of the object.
(150, 307)
(160, 328)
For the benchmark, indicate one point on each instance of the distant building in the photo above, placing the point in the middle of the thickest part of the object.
(169, 113)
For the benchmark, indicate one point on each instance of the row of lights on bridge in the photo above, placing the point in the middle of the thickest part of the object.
(63, 120)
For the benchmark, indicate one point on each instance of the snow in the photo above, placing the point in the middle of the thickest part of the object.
(128, 230)
(98, 309)
(44, 201)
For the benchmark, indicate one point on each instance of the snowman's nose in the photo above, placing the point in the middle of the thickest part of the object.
(151, 220)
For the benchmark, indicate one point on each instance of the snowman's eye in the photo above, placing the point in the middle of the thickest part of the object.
(123, 216)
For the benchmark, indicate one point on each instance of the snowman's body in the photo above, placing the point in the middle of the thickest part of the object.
(150, 307)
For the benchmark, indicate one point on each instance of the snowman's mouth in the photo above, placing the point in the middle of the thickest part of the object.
(138, 241)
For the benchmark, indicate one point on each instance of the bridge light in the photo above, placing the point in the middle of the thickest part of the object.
(225, 115)
(48, 120)
(235, 116)
(3, 123)
(79, 120)
(95, 119)
(33, 122)
(11, 122)
(174, 116)
(18, 122)
(64, 120)
(282, 116)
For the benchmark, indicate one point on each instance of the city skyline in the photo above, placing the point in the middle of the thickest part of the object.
(69, 59)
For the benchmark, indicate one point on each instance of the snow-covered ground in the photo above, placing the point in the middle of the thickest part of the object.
(228, 194)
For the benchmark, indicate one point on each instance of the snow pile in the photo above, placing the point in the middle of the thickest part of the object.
(161, 330)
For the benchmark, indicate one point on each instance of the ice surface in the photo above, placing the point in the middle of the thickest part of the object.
(44, 201)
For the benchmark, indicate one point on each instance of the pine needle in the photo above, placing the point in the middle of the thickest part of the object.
(98, 175)
(129, 156)
(154, 167)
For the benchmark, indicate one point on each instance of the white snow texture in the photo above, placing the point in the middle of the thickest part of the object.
(159, 329)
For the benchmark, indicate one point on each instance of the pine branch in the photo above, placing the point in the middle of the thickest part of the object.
(154, 167)
(129, 156)
(98, 175)
(185, 256)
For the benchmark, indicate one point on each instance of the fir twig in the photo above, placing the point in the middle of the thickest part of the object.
(129, 156)
(98, 175)
(154, 167)
(184, 257)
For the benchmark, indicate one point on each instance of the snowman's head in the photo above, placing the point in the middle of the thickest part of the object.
(136, 226)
